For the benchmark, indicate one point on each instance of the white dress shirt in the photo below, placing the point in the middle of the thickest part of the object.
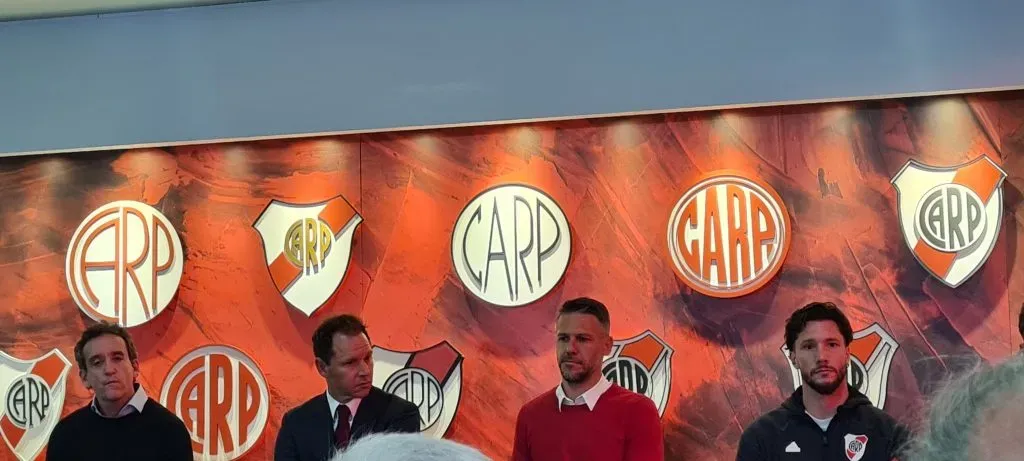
(352, 405)
(588, 398)
(135, 404)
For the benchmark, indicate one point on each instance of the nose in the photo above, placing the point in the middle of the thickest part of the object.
(572, 348)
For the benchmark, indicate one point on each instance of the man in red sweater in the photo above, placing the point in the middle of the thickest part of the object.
(587, 417)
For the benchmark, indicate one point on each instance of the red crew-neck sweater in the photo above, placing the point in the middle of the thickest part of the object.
(624, 426)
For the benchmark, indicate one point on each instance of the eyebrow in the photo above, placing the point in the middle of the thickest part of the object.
(812, 340)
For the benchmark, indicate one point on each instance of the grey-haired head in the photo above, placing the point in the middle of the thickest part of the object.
(408, 447)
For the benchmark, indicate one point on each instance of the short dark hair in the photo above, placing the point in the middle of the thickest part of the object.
(102, 329)
(323, 337)
(587, 306)
(816, 311)
(1020, 321)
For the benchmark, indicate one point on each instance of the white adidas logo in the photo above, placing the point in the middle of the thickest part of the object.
(792, 448)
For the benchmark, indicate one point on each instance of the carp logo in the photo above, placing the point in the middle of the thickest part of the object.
(430, 378)
(222, 397)
(33, 397)
(728, 235)
(642, 364)
(871, 354)
(518, 234)
(308, 248)
(855, 446)
(124, 263)
(950, 217)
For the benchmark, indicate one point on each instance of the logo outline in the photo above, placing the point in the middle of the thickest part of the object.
(855, 452)
(675, 224)
(568, 237)
(452, 377)
(350, 227)
(238, 358)
(58, 394)
(87, 229)
(998, 222)
(661, 364)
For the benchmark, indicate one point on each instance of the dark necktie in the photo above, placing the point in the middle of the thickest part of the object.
(341, 432)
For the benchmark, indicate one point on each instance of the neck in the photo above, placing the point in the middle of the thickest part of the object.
(111, 408)
(823, 406)
(574, 390)
(341, 397)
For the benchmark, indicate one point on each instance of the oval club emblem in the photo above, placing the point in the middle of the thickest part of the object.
(728, 235)
(511, 245)
(124, 263)
(222, 397)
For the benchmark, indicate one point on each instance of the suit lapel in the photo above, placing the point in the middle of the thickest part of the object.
(323, 423)
(366, 414)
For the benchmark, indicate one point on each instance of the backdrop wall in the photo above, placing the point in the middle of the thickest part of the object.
(309, 66)
(717, 362)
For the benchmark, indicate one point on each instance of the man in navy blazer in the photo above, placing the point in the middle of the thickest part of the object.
(351, 407)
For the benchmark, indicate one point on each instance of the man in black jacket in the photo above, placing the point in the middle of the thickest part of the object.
(351, 407)
(826, 419)
(122, 422)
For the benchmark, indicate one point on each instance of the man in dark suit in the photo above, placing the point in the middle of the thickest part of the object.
(351, 407)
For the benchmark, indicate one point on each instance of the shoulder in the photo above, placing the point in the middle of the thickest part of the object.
(388, 401)
(872, 416)
(307, 407)
(159, 414)
(632, 402)
(72, 422)
(627, 397)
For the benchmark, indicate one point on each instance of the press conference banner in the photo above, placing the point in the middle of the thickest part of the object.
(701, 232)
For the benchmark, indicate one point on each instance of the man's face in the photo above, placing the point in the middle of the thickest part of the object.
(109, 372)
(581, 344)
(822, 356)
(349, 374)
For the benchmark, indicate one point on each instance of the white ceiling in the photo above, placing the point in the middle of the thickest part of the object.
(11, 10)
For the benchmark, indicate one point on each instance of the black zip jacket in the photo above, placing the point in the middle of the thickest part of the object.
(858, 432)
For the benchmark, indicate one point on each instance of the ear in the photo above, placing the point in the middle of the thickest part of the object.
(135, 371)
(321, 367)
(792, 360)
(608, 345)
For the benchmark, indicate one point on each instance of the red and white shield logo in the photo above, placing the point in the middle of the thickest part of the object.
(950, 217)
(855, 446)
(430, 378)
(33, 397)
(308, 248)
(642, 364)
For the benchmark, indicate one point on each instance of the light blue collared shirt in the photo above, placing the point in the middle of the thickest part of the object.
(134, 405)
